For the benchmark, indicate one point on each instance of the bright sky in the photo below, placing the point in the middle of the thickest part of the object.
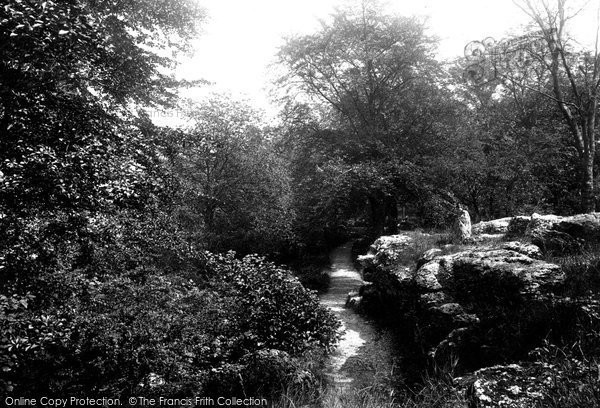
(241, 37)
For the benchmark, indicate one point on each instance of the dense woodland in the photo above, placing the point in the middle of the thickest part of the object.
(143, 260)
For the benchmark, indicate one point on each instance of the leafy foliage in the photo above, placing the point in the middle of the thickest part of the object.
(145, 332)
(234, 189)
(103, 290)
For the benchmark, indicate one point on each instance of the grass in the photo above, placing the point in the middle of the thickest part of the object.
(582, 272)
(434, 393)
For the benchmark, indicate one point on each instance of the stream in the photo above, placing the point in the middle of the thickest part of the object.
(364, 355)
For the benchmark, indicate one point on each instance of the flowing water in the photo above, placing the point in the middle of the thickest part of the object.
(364, 356)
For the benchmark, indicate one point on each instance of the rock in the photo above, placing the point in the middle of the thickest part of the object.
(514, 386)
(426, 277)
(477, 304)
(487, 238)
(459, 274)
(501, 225)
(564, 234)
(385, 251)
(498, 226)
(531, 250)
(354, 300)
(433, 299)
(502, 273)
(482, 285)
(582, 226)
(427, 256)
(462, 227)
(431, 276)
(540, 223)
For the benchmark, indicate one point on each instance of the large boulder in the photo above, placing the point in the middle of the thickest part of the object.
(428, 255)
(556, 234)
(564, 381)
(477, 271)
(385, 251)
(484, 294)
(388, 274)
(475, 304)
(511, 386)
(498, 226)
(582, 226)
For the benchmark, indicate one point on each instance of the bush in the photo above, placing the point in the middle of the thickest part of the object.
(246, 328)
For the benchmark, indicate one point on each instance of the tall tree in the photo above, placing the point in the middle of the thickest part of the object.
(581, 70)
(549, 63)
(373, 70)
(72, 146)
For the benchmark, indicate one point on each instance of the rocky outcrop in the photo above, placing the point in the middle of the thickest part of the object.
(498, 226)
(474, 304)
(564, 234)
(531, 250)
(489, 303)
(552, 233)
(465, 294)
(517, 226)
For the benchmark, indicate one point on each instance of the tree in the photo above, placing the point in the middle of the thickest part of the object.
(69, 74)
(72, 146)
(234, 188)
(376, 73)
(548, 63)
(579, 103)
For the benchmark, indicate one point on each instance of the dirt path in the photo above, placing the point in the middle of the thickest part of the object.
(364, 354)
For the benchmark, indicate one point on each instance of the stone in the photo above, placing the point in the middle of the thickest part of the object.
(540, 223)
(482, 239)
(462, 226)
(502, 272)
(498, 226)
(564, 235)
(514, 385)
(385, 250)
(461, 290)
(456, 301)
(354, 300)
(531, 250)
(426, 277)
(428, 255)
(433, 299)
(582, 226)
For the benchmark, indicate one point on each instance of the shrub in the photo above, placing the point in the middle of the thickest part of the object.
(246, 328)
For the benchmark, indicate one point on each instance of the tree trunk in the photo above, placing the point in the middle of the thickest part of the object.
(588, 134)
(588, 199)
